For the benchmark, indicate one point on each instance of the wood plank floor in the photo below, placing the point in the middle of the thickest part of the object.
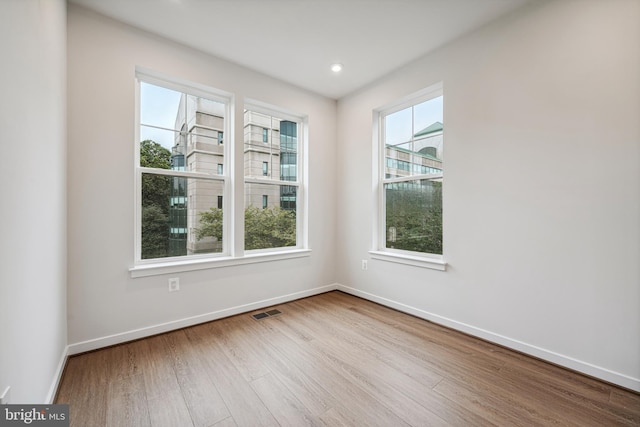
(334, 360)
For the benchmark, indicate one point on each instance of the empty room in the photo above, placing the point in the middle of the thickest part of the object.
(321, 212)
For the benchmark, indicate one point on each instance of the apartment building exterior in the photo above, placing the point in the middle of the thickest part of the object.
(270, 153)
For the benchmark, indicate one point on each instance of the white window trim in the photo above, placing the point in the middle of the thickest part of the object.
(379, 251)
(436, 262)
(179, 265)
(233, 253)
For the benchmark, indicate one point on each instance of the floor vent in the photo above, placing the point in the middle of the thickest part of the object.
(266, 314)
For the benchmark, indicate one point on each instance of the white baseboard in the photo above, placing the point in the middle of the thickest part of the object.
(550, 356)
(57, 376)
(541, 353)
(135, 334)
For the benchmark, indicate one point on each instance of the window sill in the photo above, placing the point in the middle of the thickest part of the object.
(416, 261)
(144, 270)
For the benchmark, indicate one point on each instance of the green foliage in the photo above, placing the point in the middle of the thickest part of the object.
(155, 200)
(156, 190)
(416, 215)
(154, 155)
(269, 228)
(210, 224)
(264, 228)
(155, 232)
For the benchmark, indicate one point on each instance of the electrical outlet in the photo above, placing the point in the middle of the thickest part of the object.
(364, 264)
(5, 397)
(174, 284)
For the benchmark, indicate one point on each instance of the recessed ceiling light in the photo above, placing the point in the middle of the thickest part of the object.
(336, 68)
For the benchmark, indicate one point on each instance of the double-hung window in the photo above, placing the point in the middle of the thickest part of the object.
(409, 177)
(272, 177)
(180, 171)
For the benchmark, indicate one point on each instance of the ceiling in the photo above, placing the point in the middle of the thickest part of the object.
(298, 40)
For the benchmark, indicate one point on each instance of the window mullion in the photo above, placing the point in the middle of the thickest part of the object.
(182, 174)
(237, 171)
(428, 177)
(264, 181)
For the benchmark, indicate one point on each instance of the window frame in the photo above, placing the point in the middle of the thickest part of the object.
(193, 90)
(379, 160)
(233, 253)
(301, 174)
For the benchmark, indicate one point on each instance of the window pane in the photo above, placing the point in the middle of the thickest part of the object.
(270, 216)
(188, 127)
(398, 127)
(158, 106)
(180, 216)
(414, 141)
(279, 151)
(154, 155)
(427, 113)
(427, 136)
(413, 216)
(202, 132)
(202, 161)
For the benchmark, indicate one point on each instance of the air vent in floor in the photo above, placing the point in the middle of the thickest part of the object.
(266, 314)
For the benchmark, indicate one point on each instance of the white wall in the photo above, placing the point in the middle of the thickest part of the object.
(103, 299)
(33, 331)
(542, 187)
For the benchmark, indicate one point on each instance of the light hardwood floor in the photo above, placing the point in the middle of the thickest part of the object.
(336, 360)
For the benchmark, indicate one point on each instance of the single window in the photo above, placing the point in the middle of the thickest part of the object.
(179, 127)
(411, 175)
(272, 211)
